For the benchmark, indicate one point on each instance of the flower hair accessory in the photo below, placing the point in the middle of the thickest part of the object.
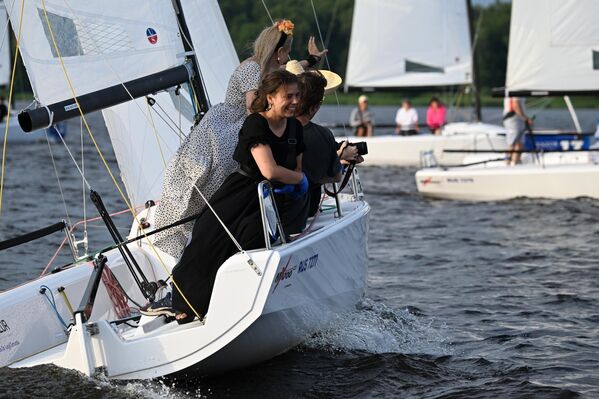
(285, 26)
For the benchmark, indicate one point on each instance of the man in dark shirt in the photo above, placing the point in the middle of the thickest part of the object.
(321, 160)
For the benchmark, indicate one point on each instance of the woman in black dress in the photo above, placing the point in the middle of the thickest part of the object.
(270, 147)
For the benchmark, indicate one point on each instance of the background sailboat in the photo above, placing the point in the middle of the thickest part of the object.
(415, 44)
(552, 51)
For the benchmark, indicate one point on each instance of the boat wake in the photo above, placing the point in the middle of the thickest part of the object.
(374, 327)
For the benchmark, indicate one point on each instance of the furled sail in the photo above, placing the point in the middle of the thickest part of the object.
(553, 47)
(409, 43)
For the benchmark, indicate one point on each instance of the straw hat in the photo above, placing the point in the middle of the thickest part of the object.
(333, 80)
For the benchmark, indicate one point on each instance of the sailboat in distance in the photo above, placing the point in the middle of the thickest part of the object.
(152, 68)
(416, 44)
(553, 50)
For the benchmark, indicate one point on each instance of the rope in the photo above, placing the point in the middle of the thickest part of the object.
(267, 12)
(44, 289)
(12, 84)
(64, 202)
(156, 134)
(83, 193)
(115, 293)
(239, 248)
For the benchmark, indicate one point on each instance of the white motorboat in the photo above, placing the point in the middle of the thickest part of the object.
(536, 66)
(84, 316)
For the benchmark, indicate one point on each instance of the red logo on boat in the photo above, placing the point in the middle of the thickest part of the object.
(426, 181)
(284, 274)
(152, 35)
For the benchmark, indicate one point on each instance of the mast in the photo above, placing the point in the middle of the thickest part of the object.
(475, 81)
(196, 79)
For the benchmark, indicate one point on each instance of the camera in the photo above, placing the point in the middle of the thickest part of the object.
(361, 146)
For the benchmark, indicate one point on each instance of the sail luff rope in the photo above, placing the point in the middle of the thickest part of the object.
(64, 202)
(10, 92)
(72, 90)
(83, 179)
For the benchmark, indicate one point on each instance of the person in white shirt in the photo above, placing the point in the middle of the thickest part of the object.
(406, 120)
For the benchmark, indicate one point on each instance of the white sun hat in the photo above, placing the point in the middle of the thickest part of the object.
(333, 80)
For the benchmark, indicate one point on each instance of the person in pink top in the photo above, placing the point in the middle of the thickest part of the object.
(435, 116)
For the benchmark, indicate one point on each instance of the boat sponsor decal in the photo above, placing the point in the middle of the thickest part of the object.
(152, 35)
(460, 180)
(3, 326)
(302, 266)
(284, 274)
(429, 180)
(70, 107)
(9, 346)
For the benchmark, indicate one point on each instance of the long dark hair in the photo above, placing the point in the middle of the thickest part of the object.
(269, 85)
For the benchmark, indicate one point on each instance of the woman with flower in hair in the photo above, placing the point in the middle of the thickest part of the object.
(205, 158)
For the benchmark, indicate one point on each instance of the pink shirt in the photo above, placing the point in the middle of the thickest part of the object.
(435, 118)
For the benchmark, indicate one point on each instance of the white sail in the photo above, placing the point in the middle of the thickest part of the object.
(554, 46)
(145, 138)
(212, 44)
(101, 43)
(5, 66)
(409, 43)
(107, 43)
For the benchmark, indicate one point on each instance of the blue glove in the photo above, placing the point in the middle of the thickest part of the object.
(300, 189)
(286, 189)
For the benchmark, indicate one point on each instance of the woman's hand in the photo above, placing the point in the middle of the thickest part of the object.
(313, 49)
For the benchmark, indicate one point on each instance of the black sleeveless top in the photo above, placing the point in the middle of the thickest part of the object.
(285, 149)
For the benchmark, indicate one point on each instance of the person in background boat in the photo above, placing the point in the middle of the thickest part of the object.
(270, 146)
(516, 122)
(323, 156)
(3, 109)
(406, 119)
(362, 118)
(435, 116)
(205, 158)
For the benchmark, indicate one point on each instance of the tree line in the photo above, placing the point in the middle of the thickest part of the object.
(245, 19)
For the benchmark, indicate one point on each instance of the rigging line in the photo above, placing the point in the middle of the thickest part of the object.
(64, 202)
(75, 162)
(83, 179)
(326, 58)
(10, 92)
(267, 12)
(156, 134)
(175, 129)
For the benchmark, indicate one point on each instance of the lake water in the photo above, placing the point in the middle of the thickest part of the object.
(477, 300)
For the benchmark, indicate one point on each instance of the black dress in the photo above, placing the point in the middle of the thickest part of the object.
(236, 203)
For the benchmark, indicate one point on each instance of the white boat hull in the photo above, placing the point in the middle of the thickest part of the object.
(396, 150)
(502, 183)
(251, 317)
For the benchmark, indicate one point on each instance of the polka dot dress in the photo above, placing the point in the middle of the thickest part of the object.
(204, 159)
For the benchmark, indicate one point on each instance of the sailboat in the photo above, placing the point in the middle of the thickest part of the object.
(553, 50)
(416, 44)
(134, 61)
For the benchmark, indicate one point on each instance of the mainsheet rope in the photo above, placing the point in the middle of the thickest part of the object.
(72, 90)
